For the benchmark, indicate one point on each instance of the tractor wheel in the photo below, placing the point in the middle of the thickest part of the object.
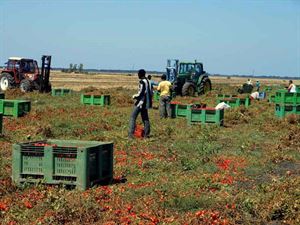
(25, 85)
(36, 85)
(188, 89)
(6, 81)
(205, 86)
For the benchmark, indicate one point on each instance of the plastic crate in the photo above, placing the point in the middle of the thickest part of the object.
(61, 92)
(268, 88)
(14, 108)
(205, 115)
(284, 97)
(2, 96)
(222, 96)
(1, 123)
(283, 110)
(89, 99)
(235, 102)
(272, 98)
(77, 163)
(178, 110)
(156, 95)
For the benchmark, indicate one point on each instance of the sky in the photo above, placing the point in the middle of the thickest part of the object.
(230, 37)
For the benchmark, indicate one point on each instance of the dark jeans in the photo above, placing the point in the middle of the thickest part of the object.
(165, 106)
(145, 119)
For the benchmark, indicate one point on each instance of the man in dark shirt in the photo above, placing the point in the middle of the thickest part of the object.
(143, 102)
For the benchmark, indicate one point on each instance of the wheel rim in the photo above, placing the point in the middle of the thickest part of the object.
(4, 83)
(22, 88)
(191, 91)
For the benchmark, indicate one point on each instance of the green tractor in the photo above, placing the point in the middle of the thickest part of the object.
(188, 78)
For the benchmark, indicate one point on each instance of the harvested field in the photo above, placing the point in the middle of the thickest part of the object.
(246, 172)
(80, 81)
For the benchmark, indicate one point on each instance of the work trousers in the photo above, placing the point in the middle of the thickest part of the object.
(145, 118)
(165, 106)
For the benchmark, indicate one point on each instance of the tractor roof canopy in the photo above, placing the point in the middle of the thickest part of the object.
(19, 59)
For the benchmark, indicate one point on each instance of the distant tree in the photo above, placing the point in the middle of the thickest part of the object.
(71, 68)
(74, 68)
(80, 68)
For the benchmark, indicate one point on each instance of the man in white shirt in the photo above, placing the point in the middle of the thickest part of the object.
(292, 87)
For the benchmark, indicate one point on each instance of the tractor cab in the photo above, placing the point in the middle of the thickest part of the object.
(25, 73)
(187, 77)
(21, 68)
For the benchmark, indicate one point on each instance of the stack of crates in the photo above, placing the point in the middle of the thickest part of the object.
(61, 92)
(76, 163)
(235, 101)
(287, 103)
(15, 108)
(94, 99)
(205, 116)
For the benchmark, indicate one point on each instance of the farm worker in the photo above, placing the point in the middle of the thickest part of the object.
(152, 82)
(257, 85)
(292, 87)
(143, 102)
(222, 105)
(165, 97)
(249, 82)
(254, 95)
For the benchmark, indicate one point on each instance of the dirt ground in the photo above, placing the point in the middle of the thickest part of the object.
(80, 81)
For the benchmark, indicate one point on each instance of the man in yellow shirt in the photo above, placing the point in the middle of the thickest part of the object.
(165, 97)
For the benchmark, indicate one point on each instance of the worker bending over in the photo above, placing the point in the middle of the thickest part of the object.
(292, 87)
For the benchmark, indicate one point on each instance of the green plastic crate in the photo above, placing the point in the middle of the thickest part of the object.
(235, 102)
(178, 110)
(268, 88)
(222, 96)
(205, 116)
(61, 92)
(90, 99)
(284, 97)
(272, 98)
(156, 95)
(1, 123)
(281, 110)
(77, 163)
(14, 108)
(2, 96)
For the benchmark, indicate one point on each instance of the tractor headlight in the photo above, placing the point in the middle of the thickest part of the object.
(31, 76)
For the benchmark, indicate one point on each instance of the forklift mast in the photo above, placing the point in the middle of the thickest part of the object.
(45, 74)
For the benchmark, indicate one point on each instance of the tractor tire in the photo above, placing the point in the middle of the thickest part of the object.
(6, 81)
(36, 86)
(205, 86)
(25, 86)
(188, 89)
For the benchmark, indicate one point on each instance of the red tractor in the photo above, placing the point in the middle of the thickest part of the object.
(25, 74)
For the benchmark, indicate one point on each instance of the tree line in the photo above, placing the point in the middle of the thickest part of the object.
(73, 68)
